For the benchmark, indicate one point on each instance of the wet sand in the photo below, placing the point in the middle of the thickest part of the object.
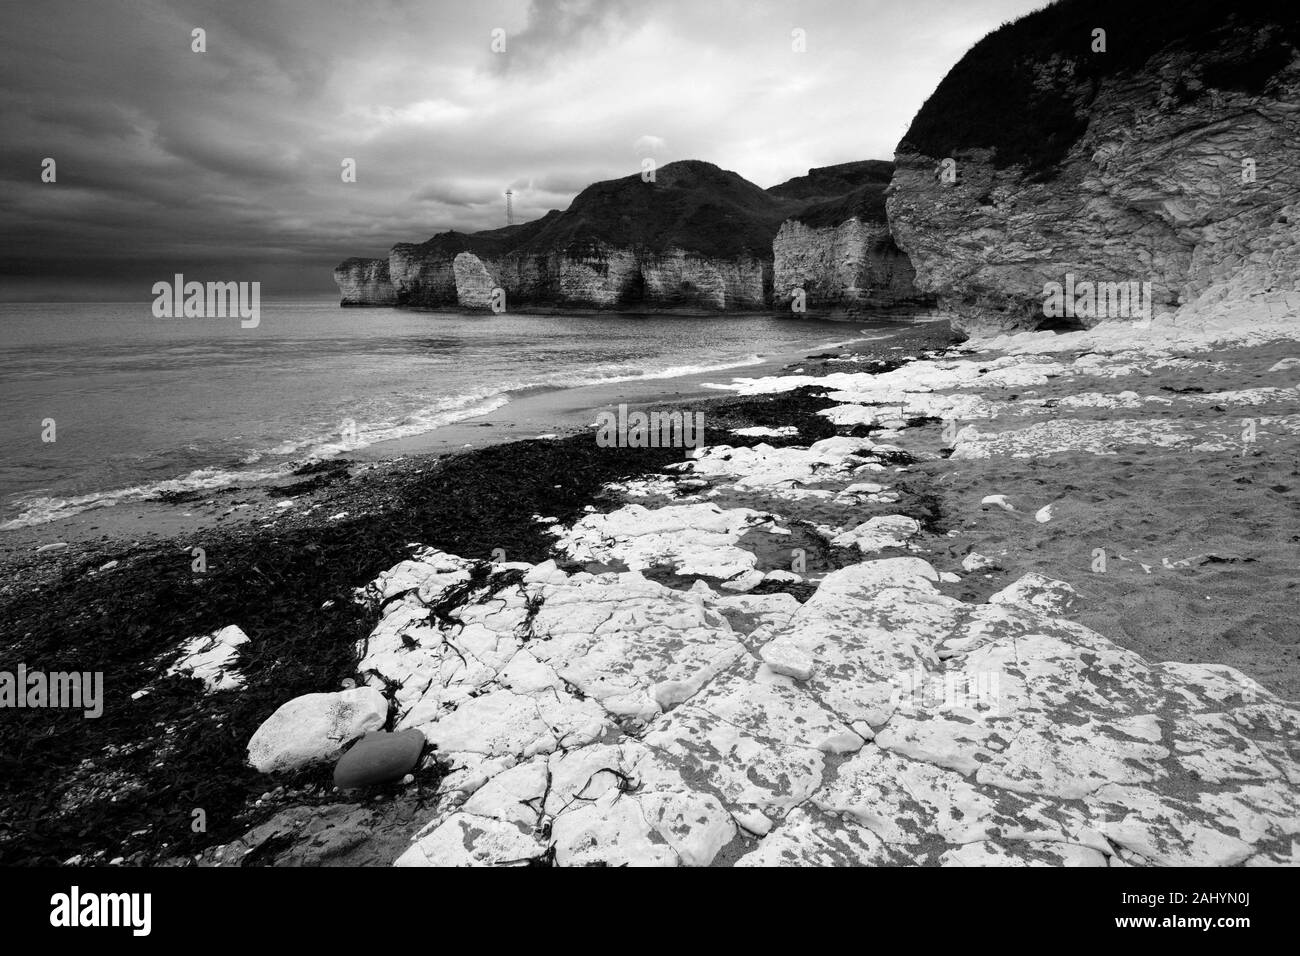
(567, 411)
(1200, 544)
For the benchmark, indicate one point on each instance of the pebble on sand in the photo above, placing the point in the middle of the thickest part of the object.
(379, 758)
(977, 562)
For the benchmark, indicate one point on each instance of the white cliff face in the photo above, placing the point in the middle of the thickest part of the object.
(365, 282)
(605, 276)
(1157, 189)
(419, 279)
(703, 240)
(692, 279)
(849, 266)
(474, 284)
(599, 277)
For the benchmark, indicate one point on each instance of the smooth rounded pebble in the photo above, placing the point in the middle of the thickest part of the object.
(378, 758)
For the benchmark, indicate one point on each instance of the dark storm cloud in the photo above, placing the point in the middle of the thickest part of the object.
(451, 193)
(227, 163)
(563, 27)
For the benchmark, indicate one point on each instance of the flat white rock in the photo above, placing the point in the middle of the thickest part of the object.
(210, 658)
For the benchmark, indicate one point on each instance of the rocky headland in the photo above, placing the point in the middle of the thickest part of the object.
(695, 238)
(840, 252)
(1170, 157)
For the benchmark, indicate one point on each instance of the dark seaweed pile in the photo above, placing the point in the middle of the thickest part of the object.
(798, 407)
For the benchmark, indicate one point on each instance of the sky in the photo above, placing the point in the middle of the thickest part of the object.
(227, 164)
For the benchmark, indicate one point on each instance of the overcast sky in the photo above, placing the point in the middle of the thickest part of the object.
(226, 164)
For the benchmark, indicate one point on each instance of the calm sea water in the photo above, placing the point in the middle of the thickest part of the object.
(142, 405)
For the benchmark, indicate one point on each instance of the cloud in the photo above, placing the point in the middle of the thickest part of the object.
(648, 145)
(454, 193)
(228, 162)
(557, 29)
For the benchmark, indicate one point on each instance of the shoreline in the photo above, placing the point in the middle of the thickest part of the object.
(874, 313)
(562, 410)
(570, 409)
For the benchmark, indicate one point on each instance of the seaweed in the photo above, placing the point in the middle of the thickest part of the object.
(127, 783)
(797, 407)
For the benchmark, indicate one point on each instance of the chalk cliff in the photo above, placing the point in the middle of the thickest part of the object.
(1173, 157)
(696, 238)
(365, 282)
(839, 250)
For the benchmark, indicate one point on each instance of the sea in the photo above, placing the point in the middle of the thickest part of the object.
(103, 402)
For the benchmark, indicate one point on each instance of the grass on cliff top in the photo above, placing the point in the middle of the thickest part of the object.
(690, 205)
(993, 98)
(866, 203)
(827, 182)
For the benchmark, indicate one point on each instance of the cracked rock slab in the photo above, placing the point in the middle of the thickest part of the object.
(599, 804)
(877, 534)
(690, 539)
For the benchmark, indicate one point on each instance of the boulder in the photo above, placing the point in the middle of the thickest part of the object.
(314, 729)
(1172, 164)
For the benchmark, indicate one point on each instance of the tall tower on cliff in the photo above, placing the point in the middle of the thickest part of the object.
(510, 208)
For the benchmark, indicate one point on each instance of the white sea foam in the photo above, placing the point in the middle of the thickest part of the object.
(38, 510)
(278, 460)
(621, 373)
(446, 411)
(41, 509)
